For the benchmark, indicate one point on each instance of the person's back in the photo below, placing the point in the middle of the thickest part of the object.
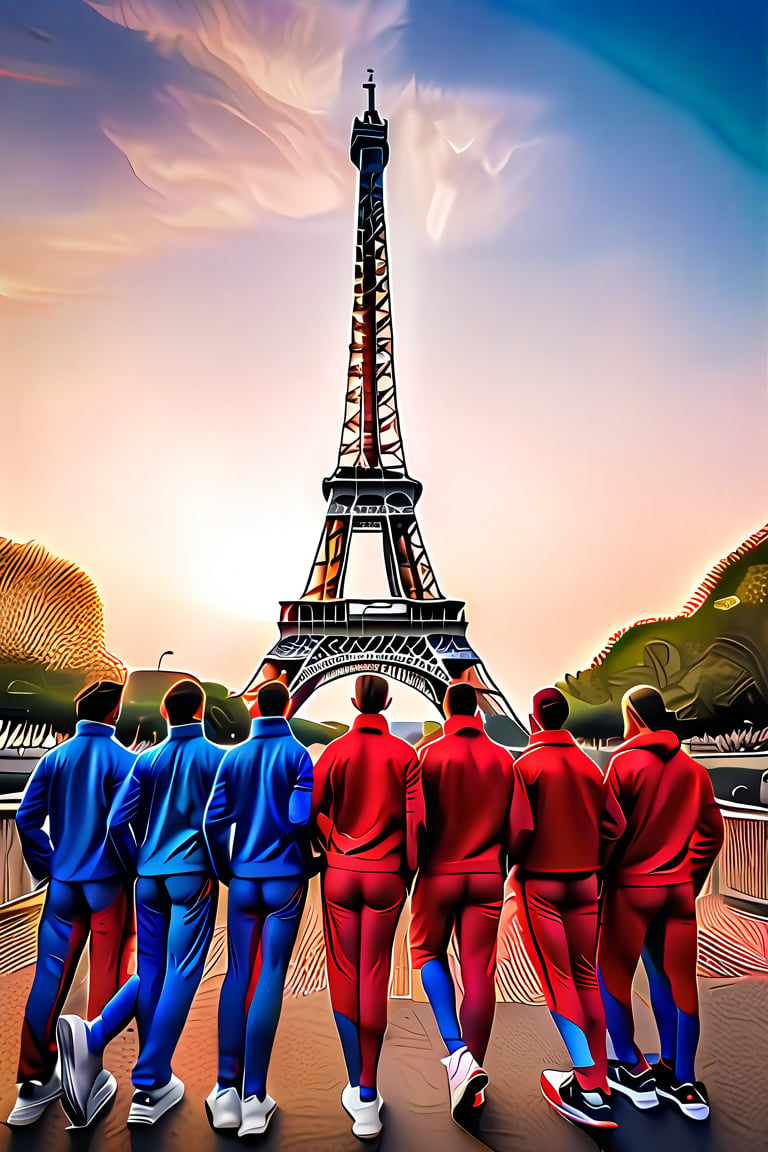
(468, 783)
(62, 824)
(672, 816)
(367, 808)
(256, 826)
(366, 796)
(256, 797)
(673, 833)
(566, 793)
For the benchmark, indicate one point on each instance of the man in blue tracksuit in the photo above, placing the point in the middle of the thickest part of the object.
(157, 824)
(256, 828)
(72, 787)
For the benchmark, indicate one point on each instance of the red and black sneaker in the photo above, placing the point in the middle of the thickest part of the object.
(563, 1092)
(639, 1087)
(691, 1099)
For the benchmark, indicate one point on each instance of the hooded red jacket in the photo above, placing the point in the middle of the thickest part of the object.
(473, 806)
(366, 799)
(573, 815)
(674, 828)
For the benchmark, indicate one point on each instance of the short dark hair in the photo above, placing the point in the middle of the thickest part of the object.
(550, 708)
(182, 701)
(649, 705)
(98, 700)
(272, 698)
(371, 693)
(461, 699)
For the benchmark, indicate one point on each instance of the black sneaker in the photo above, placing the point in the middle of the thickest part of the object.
(563, 1092)
(691, 1099)
(640, 1087)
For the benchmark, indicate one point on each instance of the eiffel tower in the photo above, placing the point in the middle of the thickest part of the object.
(416, 636)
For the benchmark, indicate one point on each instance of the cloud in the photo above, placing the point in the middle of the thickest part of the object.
(245, 122)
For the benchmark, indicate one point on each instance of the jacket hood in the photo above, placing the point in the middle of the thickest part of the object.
(663, 744)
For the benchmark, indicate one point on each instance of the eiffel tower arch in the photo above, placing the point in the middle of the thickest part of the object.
(416, 635)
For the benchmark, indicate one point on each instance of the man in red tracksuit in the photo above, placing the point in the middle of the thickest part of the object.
(673, 834)
(557, 887)
(367, 806)
(470, 801)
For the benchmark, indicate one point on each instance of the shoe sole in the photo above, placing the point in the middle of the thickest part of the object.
(463, 1105)
(31, 1114)
(550, 1094)
(174, 1097)
(245, 1132)
(641, 1100)
(693, 1112)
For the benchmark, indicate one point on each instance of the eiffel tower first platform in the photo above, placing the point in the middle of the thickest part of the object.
(416, 636)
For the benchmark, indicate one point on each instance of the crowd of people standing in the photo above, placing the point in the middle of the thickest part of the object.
(605, 869)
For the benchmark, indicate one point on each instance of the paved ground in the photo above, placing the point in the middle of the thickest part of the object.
(307, 1076)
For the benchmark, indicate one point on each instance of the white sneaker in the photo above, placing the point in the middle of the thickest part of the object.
(148, 1105)
(466, 1079)
(33, 1098)
(224, 1107)
(367, 1120)
(87, 1087)
(256, 1115)
(351, 1102)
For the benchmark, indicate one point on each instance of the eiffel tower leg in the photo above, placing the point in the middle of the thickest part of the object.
(327, 576)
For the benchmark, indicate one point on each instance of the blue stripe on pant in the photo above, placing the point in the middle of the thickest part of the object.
(265, 914)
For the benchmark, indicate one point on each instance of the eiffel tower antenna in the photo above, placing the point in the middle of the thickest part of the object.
(416, 636)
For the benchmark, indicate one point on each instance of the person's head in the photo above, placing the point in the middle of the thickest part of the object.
(643, 710)
(460, 700)
(183, 703)
(371, 695)
(549, 710)
(99, 701)
(273, 698)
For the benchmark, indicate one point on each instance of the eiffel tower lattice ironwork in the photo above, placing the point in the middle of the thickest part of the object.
(416, 636)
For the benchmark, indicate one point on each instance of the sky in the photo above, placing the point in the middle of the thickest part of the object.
(575, 208)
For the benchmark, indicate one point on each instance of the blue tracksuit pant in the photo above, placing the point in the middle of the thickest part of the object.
(262, 921)
(61, 937)
(175, 918)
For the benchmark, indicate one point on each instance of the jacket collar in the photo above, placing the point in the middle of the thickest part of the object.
(185, 731)
(266, 726)
(559, 736)
(371, 723)
(456, 724)
(94, 728)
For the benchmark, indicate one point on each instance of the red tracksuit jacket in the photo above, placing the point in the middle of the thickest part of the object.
(674, 828)
(473, 807)
(367, 801)
(573, 813)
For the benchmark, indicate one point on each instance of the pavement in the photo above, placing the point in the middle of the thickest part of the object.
(307, 1075)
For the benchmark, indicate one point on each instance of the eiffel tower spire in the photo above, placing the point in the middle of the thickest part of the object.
(417, 636)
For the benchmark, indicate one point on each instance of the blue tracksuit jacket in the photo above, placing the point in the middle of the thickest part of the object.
(157, 818)
(74, 786)
(260, 801)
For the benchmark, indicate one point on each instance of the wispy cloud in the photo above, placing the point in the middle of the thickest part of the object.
(246, 123)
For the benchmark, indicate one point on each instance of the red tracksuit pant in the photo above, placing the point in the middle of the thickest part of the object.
(471, 903)
(360, 914)
(559, 924)
(628, 913)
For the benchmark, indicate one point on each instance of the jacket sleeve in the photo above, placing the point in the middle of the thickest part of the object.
(415, 815)
(520, 820)
(613, 822)
(707, 840)
(127, 824)
(30, 817)
(300, 803)
(217, 823)
(321, 797)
